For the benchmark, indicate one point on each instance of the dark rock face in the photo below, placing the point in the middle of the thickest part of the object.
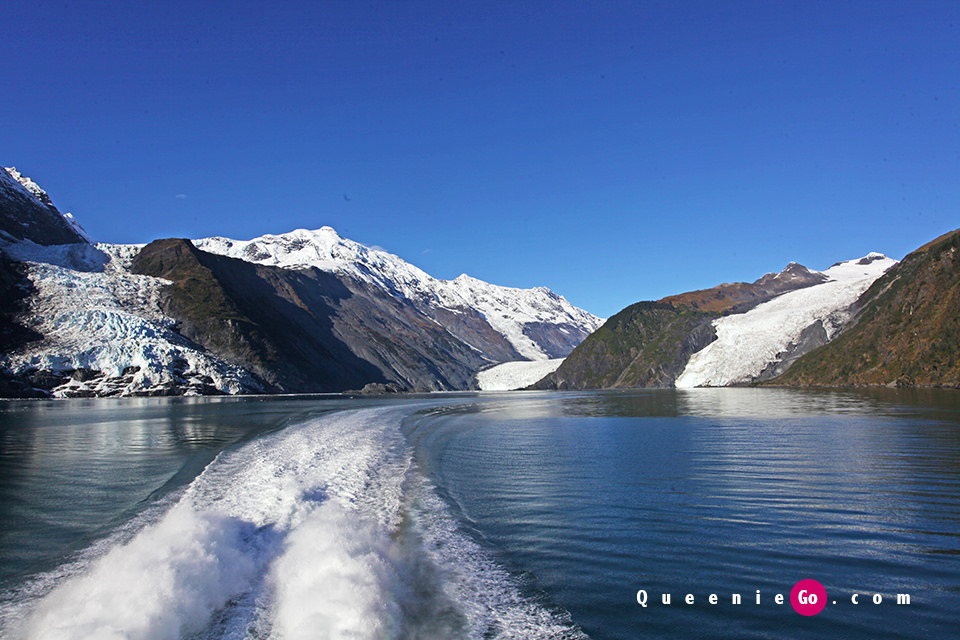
(646, 345)
(556, 340)
(305, 330)
(15, 289)
(906, 330)
(469, 326)
(24, 216)
(811, 338)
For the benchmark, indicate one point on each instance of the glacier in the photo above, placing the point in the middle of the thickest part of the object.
(748, 343)
(510, 376)
(103, 329)
(97, 329)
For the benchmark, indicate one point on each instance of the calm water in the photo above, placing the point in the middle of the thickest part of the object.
(481, 516)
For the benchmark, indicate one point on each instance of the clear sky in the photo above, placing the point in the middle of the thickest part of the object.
(612, 151)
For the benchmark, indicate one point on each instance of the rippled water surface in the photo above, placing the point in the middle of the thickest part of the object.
(492, 515)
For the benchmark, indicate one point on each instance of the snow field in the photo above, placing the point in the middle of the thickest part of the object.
(747, 343)
(516, 375)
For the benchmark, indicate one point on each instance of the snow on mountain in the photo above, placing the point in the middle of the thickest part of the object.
(103, 330)
(514, 313)
(509, 376)
(748, 343)
(27, 186)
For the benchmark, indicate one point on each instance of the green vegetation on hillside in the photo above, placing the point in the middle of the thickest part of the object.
(645, 345)
(906, 333)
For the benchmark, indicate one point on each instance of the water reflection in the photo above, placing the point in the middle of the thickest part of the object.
(735, 402)
(72, 470)
(714, 491)
(591, 495)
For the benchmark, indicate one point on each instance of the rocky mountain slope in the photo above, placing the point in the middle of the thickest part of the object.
(730, 334)
(906, 330)
(26, 213)
(527, 324)
(298, 312)
(742, 296)
(304, 329)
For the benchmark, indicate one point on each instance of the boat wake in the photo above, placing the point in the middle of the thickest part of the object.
(323, 530)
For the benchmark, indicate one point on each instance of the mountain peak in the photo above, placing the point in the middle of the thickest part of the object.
(27, 213)
(516, 314)
(29, 185)
(323, 232)
(793, 274)
(743, 295)
(873, 256)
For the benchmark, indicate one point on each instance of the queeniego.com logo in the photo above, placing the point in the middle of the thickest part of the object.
(808, 598)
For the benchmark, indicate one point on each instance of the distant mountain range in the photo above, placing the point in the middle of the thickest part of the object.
(310, 311)
(306, 311)
(865, 322)
(731, 334)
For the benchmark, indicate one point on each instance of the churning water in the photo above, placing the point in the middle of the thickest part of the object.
(480, 516)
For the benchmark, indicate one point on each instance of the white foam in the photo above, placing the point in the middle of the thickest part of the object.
(491, 599)
(324, 529)
(164, 582)
(337, 579)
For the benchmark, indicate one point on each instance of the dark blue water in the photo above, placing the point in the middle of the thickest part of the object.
(512, 515)
(597, 496)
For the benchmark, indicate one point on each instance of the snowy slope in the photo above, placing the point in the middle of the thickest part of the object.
(508, 310)
(12, 180)
(516, 375)
(747, 343)
(105, 323)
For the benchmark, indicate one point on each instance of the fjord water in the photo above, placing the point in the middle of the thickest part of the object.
(480, 516)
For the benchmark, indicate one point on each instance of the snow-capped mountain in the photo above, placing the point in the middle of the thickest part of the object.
(299, 312)
(310, 311)
(26, 213)
(537, 323)
(748, 344)
(734, 333)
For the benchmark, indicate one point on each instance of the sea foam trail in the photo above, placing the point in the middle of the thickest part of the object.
(322, 530)
(337, 575)
(166, 580)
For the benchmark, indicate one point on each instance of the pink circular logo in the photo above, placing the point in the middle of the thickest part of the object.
(808, 597)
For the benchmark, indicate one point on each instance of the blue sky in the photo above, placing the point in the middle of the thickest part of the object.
(612, 151)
